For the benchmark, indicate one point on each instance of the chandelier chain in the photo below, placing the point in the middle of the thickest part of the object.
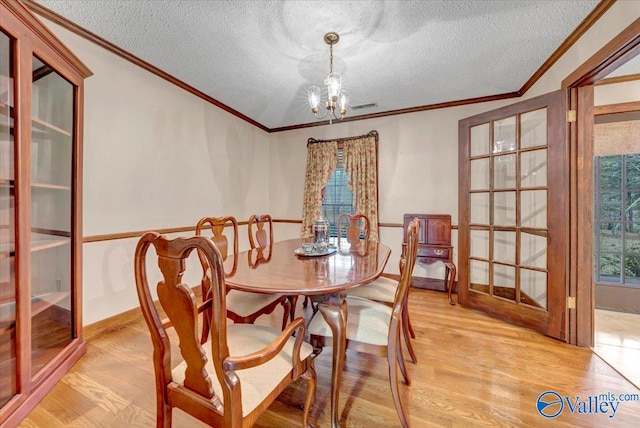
(331, 58)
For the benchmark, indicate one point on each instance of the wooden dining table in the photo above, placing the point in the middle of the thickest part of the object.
(276, 269)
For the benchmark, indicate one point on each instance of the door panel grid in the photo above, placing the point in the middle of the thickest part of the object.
(513, 230)
(508, 178)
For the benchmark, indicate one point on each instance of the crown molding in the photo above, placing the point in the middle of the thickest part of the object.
(597, 12)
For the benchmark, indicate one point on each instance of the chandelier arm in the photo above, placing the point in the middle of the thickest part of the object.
(326, 112)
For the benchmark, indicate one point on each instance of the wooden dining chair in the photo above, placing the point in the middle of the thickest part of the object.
(258, 237)
(242, 306)
(261, 241)
(233, 377)
(376, 328)
(383, 289)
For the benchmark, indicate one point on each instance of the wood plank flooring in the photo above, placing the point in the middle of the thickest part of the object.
(617, 341)
(473, 371)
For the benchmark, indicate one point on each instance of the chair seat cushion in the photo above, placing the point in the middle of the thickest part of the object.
(257, 382)
(244, 303)
(382, 289)
(367, 322)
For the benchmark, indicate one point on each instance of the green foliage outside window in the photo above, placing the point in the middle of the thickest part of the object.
(617, 219)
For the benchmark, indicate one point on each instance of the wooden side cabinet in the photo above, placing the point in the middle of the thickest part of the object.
(434, 245)
(41, 90)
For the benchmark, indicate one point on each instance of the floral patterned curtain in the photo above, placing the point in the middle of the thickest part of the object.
(361, 165)
(322, 159)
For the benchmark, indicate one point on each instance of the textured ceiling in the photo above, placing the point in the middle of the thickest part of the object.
(258, 57)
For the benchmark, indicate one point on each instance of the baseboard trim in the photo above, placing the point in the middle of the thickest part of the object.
(111, 324)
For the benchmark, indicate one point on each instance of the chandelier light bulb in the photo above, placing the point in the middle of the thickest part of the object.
(343, 103)
(334, 83)
(314, 98)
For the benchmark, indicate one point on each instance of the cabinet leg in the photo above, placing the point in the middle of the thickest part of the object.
(449, 278)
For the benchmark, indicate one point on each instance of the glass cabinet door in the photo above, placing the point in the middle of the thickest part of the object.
(8, 377)
(51, 214)
(40, 210)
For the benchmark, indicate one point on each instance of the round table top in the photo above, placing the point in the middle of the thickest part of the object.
(277, 269)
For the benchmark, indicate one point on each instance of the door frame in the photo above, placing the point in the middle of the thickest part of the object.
(622, 48)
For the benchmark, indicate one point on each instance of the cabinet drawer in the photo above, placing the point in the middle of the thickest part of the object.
(440, 253)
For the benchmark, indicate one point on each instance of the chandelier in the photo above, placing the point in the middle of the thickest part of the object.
(335, 95)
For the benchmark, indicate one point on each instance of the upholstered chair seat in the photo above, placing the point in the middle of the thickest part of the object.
(382, 289)
(368, 322)
(257, 382)
(246, 304)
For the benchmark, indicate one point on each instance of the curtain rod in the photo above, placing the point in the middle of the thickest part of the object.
(373, 133)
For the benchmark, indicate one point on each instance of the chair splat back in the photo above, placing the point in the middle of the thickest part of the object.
(218, 225)
(179, 303)
(258, 237)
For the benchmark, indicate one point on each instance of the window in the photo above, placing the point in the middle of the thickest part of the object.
(617, 219)
(337, 199)
(329, 163)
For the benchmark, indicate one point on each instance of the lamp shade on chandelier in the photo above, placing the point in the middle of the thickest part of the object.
(337, 99)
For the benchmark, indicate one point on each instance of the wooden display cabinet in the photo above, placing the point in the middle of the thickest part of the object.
(41, 88)
(434, 245)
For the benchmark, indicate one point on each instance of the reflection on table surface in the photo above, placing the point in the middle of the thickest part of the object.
(276, 269)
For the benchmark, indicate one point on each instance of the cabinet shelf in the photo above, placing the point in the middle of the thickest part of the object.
(6, 109)
(11, 184)
(39, 303)
(49, 186)
(42, 125)
(39, 242)
(44, 242)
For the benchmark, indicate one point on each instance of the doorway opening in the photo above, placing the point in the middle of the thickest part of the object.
(616, 215)
(596, 277)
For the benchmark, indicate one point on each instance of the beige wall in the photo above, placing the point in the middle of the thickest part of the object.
(156, 156)
(616, 93)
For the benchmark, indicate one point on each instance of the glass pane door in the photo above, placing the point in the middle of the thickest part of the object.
(510, 159)
(508, 206)
(8, 378)
(51, 178)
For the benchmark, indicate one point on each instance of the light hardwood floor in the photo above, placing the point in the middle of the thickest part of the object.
(617, 341)
(473, 371)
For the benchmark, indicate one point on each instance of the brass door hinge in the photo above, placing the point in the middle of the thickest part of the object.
(571, 115)
(571, 302)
